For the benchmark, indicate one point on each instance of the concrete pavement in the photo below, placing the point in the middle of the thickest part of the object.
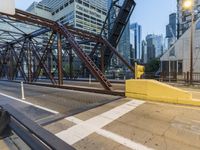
(61, 100)
(128, 124)
(119, 125)
(148, 126)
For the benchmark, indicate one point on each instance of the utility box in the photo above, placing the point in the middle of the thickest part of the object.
(7, 7)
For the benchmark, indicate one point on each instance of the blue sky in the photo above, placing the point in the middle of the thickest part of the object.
(151, 14)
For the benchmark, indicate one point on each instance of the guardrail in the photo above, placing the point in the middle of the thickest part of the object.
(36, 137)
(174, 77)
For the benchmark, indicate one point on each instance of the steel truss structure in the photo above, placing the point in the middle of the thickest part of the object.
(28, 55)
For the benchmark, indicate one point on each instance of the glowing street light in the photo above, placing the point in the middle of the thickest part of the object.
(189, 5)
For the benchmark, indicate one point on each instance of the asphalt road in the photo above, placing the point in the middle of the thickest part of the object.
(63, 101)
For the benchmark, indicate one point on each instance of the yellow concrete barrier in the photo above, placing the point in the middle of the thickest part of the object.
(156, 91)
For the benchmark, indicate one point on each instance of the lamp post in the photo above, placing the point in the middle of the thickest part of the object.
(189, 5)
(191, 49)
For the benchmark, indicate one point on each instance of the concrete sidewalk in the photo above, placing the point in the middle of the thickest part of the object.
(146, 125)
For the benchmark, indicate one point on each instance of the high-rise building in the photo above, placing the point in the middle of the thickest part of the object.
(171, 30)
(144, 51)
(87, 15)
(137, 31)
(124, 44)
(151, 51)
(184, 16)
(158, 42)
(154, 46)
(171, 27)
(132, 50)
(124, 47)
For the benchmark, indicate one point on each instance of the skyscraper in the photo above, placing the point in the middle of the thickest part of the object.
(154, 46)
(144, 51)
(151, 50)
(137, 31)
(158, 42)
(171, 27)
(132, 50)
(171, 30)
(124, 46)
(88, 15)
(184, 16)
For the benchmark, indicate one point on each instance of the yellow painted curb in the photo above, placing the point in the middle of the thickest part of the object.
(152, 90)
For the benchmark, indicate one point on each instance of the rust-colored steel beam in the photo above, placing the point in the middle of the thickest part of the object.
(19, 62)
(29, 61)
(59, 56)
(28, 17)
(69, 33)
(102, 59)
(113, 50)
(42, 60)
(70, 64)
(56, 61)
(4, 61)
(95, 71)
(94, 50)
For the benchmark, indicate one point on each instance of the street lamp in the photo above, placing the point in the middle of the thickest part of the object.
(189, 5)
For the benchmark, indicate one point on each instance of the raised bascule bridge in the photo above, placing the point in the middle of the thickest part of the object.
(29, 47)
(28, 55)
(55, 111)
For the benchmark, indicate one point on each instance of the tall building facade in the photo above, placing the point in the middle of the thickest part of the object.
(124, 47)
(88, 15)
(154, 46)
(151, 50)
(171, 29)
(184, 17)
(158, 42)
(144, 52)
(132, 50)
(137, 37)
(177, 58)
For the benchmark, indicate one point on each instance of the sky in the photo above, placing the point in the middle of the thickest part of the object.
(152, 15)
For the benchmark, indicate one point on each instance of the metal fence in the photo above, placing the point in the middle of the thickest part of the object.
(174, 77)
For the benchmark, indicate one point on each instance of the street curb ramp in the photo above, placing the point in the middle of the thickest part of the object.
(152, 90)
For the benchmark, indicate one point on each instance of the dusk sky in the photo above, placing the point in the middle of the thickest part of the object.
(151, 14)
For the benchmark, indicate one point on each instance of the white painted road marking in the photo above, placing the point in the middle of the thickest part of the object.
(115, 137)
(82, 130)
(25, 102)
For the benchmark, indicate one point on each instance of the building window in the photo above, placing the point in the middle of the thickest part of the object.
(79, 17)
(98, 10)
(79, 25)
(79, 1)
(86, 4)
(87, 16)
(66, 4)
(71, 1)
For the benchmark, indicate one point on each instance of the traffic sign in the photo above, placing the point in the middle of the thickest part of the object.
(7, 6)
